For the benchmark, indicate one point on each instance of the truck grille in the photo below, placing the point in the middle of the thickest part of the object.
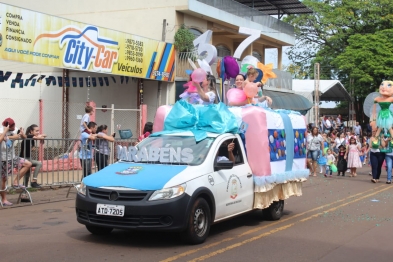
(122, 195)
(126, 221)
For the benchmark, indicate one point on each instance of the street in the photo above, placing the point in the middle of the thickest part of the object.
(336, 219)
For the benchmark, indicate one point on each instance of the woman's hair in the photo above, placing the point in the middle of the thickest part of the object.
(252, 71)
(101, 128)
(30, 129)
(352, 138)
(148, 127)
(244, 78)
(212, 85)
(312, 130)
(328, 150)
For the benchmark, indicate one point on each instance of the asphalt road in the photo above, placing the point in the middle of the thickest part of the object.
(336, 219)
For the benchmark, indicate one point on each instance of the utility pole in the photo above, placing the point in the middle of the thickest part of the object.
(163, 36)
(316, 93)
(351, 115)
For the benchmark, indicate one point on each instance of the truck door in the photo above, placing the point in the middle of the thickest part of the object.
(234, 187)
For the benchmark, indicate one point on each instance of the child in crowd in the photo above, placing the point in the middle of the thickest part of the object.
(86, 119)
(364, 152)
(147, 130)
(330, 161)
(352, 156)
(341, 162)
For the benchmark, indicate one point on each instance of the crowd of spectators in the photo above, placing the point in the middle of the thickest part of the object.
(352, 148)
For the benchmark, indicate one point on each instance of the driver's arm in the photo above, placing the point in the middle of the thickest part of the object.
(231, 157)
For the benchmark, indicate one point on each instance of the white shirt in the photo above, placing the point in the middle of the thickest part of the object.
(212, 97)
(314, 143)
(85, 118)
(328, 124)
(339, 141)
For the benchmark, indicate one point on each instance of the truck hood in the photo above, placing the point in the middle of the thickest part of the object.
(139, 176)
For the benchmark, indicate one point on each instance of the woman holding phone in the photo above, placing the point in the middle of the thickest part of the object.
(102, 146)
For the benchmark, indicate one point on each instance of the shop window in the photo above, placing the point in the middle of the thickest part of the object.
(257, 55)
(195, 32)
(223, 51)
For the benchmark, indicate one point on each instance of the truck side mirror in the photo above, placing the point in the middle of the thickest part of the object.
(225, 164)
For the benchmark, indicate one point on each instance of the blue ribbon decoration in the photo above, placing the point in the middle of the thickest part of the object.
(199, 119)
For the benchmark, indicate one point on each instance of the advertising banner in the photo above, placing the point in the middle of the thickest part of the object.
(32, 37)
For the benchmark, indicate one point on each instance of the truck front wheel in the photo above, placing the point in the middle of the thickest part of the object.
(274, 211)
(199, 221)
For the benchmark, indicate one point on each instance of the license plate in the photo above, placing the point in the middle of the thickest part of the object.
(110, 210)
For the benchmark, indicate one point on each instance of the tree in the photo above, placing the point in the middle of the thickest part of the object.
(296, 71)
(184, 39)
(334, 27)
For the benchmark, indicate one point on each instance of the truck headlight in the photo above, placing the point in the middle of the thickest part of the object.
(168, 193)
(82, 189)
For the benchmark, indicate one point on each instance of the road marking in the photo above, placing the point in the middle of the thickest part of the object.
(305, 212)
(192, 251)
(222, 250)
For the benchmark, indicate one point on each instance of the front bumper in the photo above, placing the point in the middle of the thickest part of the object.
(139, 213)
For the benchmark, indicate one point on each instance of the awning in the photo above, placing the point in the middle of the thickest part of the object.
(290, 101)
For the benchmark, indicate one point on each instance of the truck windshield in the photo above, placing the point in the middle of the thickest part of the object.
(175, 150)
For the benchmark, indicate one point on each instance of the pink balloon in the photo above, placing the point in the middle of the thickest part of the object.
(251, 89)
(236, 95)
(198, 75)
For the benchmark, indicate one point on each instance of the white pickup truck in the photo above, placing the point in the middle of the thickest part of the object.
(172, 182)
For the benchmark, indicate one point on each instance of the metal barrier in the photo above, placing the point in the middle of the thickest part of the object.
(56, 162)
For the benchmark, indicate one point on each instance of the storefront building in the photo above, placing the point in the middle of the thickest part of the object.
(121, 32)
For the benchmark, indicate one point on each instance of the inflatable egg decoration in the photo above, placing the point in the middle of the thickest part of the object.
(296, 148)
(282, 133)
(271, 139)
(301, 136)
(296, 134)
(285, 143)
(275, 134)
(304, 151)
(272, 156)
(279, 153)
(277, 144)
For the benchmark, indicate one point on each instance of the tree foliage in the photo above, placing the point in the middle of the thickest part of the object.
(349, 38)
(184, 39)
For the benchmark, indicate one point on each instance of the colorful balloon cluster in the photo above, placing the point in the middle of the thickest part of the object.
(277, 144)
(300, 143)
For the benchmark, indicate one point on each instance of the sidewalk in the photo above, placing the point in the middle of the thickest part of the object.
(42, 196)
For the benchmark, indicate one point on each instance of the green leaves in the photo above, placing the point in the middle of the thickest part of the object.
(183, 40)
(351, 39)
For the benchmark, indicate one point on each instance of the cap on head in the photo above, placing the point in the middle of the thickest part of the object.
(9, 122)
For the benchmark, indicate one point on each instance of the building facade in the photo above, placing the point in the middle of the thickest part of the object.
(154, 19)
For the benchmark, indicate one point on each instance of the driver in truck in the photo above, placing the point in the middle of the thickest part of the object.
(225, 153)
